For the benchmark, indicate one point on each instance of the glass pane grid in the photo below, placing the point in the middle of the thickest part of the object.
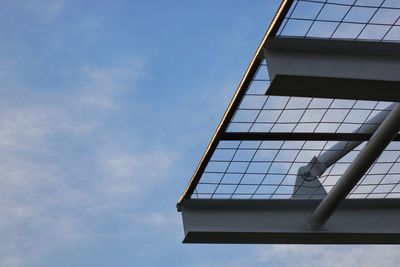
(269, 169)
(245, 169)
(376, 20)
(258, 112)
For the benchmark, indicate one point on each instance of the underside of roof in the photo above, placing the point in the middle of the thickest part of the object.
(321, 83)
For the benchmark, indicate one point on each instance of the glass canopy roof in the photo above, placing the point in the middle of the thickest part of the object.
(263, 140)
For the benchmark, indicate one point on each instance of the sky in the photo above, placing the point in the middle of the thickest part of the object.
(105, 110)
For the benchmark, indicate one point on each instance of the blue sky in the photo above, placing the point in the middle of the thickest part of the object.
(106, 108)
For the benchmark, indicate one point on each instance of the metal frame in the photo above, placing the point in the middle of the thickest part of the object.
(375, 146)
(325, 68)
(299, 136)
(366, 221)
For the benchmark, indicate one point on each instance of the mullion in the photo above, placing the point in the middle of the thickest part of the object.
(227, 168)
(380, 181)
(391, 27)
(369, 21)
(290, 15)
(351, 5)
(315, 19)
(341, 21)
(347, 22)
(245, 172)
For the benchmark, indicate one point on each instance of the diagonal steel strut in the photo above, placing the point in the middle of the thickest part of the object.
(363, 161)
(307, 176)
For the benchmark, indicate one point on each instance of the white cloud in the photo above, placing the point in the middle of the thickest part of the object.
(131, 173)
(33, 209)
(328, 256)
(101, 86)
(161, 223)
(45, 202)
(39, 10)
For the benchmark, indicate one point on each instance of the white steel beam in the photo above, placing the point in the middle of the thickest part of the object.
(366, 221)
(333, 68)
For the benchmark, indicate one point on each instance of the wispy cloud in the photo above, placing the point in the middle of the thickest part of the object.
(327, 256)
(101, 87)
(43, 11)
(49, 196)
(131, 173)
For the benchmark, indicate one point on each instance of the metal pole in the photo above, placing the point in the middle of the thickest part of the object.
(372, 150)
(307, 176)
(341, 149)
